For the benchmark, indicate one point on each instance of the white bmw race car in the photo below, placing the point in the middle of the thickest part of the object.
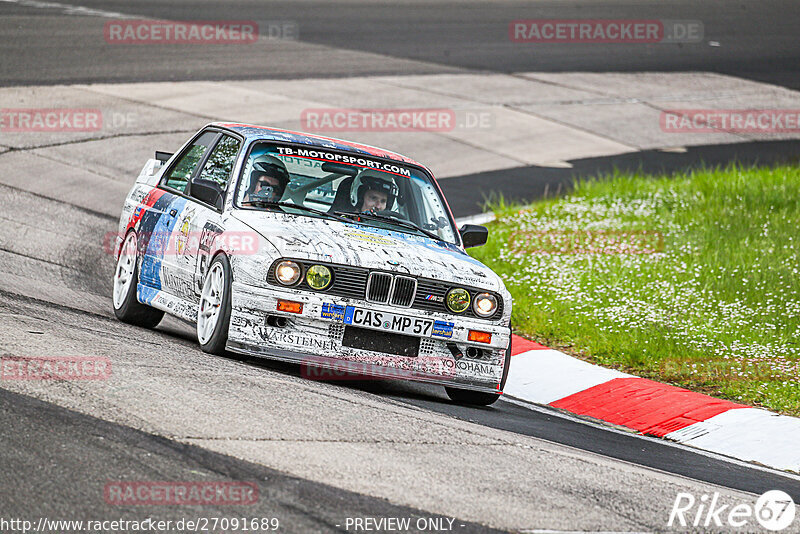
(331, 254)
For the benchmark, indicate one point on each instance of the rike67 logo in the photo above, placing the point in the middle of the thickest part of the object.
(774, 510)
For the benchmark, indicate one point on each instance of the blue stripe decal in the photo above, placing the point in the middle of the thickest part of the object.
(146, 294)
(157, 231)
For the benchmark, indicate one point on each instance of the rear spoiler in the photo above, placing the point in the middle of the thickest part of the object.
(150, 173)
(163, 157)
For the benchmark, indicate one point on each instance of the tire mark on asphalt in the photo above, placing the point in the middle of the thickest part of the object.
(97, 138)
(111, 451)
(87, 211)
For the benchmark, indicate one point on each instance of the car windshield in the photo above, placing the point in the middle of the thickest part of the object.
(391, 195)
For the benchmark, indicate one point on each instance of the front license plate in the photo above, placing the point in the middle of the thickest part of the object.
(390, 322)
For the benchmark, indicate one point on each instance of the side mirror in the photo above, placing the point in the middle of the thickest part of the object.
(473, 235)
(163, 157)
(208, 192)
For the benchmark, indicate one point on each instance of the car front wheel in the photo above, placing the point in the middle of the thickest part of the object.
(214, 312)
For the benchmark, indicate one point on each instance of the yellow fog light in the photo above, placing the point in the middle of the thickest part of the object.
(287, 272)
(457, 300)
(485, 305)
(318, 277)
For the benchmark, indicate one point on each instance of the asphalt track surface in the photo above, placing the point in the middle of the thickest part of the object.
(101, 451)
(52, 43)
(375, 442)
(521, 184)
(753, 39)
(172, 409)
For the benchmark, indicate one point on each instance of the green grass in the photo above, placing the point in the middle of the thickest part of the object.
(716, 308)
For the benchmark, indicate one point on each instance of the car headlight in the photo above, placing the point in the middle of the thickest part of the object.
(287, 272)
(485, 305)
(457, 300)
(318, 277)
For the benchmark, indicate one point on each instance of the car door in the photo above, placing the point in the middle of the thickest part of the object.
(205, 221)
(158, 248)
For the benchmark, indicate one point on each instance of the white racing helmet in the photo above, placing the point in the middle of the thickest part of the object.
(370, 179)
(271, 166)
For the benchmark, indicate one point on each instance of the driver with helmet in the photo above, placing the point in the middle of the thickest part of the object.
(268, 180)
(376, 192)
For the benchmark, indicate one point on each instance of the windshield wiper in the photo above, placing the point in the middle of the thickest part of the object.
(391, 219)
(273, 204)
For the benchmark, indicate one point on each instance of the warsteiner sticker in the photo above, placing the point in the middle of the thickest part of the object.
(442, 329)
(173, 283)
(297, 340)
(333, 312)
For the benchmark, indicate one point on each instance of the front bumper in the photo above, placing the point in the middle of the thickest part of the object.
(315, 337)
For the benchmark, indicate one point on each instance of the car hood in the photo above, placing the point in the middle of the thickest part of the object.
(331, 241)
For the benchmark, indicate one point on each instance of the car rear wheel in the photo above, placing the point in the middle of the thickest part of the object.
(214, 312)
(475, 398)
(126, 277)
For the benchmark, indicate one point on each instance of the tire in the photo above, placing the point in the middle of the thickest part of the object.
(479, 398)
(507, 364)
(214, 310)
(474, 398)
(126, 277)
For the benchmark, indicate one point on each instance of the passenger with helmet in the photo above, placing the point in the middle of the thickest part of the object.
(268, 180)
(376, 192)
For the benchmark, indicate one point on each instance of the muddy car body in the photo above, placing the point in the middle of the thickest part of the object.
(265, 240)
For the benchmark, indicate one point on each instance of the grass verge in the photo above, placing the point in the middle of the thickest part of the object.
(690, 279)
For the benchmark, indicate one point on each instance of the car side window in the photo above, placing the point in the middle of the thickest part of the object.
(180, 174)
(219, 165)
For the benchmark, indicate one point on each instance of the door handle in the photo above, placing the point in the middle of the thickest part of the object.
(173, 212)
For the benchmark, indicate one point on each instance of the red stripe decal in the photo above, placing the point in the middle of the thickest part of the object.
(147, 202)
(649, 407)
(520, 345)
